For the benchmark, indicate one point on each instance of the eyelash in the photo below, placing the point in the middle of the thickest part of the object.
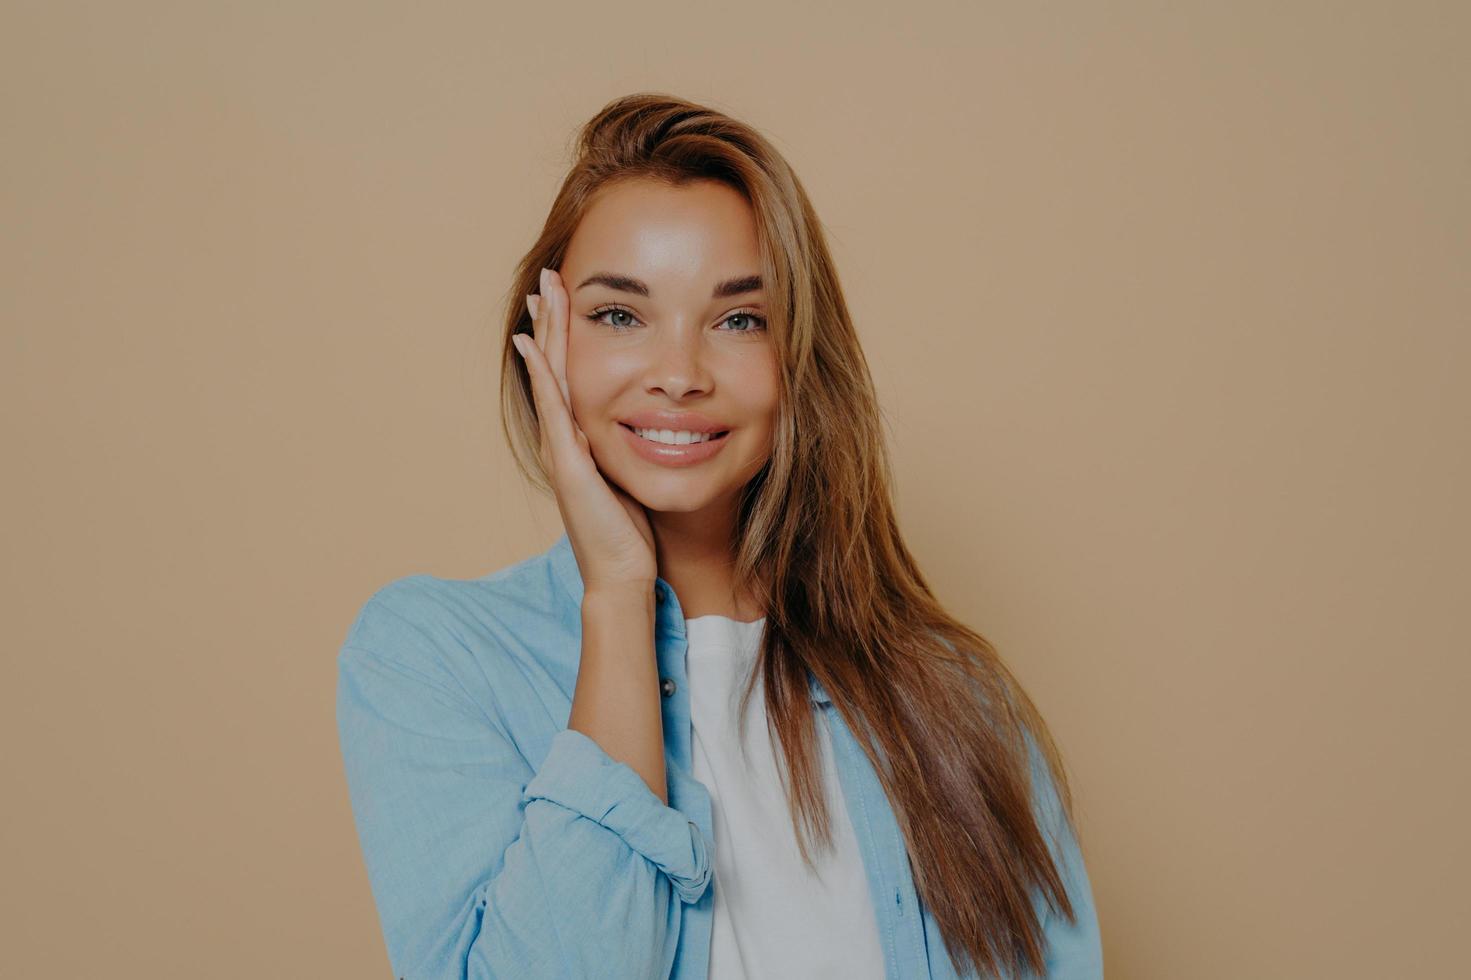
(596, 316)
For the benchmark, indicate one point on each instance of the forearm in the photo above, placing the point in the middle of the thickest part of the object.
(616, 701)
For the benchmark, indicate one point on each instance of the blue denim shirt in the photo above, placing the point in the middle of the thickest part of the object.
(500, 843)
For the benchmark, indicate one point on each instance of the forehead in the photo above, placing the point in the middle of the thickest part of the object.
(700, 231)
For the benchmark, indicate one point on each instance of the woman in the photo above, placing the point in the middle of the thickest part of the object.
(564, 769)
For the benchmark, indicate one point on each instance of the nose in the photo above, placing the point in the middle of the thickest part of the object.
(677, 364)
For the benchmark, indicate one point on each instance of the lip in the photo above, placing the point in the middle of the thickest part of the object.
(674, 421)
(657, 452)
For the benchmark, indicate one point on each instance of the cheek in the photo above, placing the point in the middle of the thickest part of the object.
(585, 386)
(763, 395)
(760, 396)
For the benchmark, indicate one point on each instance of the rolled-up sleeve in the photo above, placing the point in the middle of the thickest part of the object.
(579, 775)
(482, 866)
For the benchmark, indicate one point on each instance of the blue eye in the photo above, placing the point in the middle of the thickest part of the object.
(596, 316)
(758, 321)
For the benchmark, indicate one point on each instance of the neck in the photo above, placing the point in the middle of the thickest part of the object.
(695, 552)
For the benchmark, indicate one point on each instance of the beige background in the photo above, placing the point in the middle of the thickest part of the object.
(1167, 305)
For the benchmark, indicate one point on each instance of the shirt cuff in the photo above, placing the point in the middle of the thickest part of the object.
(580, 776)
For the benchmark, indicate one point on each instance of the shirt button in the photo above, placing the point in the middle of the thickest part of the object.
(666, 685)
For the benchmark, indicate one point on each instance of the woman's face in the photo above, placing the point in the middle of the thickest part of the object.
(665, 334)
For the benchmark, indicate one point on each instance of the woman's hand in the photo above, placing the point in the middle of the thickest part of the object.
(608, 529)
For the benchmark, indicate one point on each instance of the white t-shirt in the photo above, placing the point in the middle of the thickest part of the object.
(772, 917)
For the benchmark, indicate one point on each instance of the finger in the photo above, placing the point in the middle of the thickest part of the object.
(520, 341)
(533, 301)
(543, 430)
(543, 310)
(552, 306)
(533, 304)
(558, 328)
(556, 420)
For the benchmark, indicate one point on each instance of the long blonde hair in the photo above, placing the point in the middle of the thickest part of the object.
(817, 541)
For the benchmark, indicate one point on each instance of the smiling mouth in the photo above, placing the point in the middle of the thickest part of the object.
(713, 436)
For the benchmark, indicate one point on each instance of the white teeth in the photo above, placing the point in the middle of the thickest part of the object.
(669, 438)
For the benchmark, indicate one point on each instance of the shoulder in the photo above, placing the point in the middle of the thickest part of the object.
(466, 631)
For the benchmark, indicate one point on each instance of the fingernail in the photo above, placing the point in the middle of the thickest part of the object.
(516, 340)
(533, 303)
(544, 273)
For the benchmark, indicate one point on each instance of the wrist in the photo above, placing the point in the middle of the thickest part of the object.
(620, 594)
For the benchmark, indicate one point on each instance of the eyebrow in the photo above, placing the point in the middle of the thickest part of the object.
(738, 286)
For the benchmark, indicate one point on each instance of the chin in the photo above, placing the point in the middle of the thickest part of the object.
(671, 496)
